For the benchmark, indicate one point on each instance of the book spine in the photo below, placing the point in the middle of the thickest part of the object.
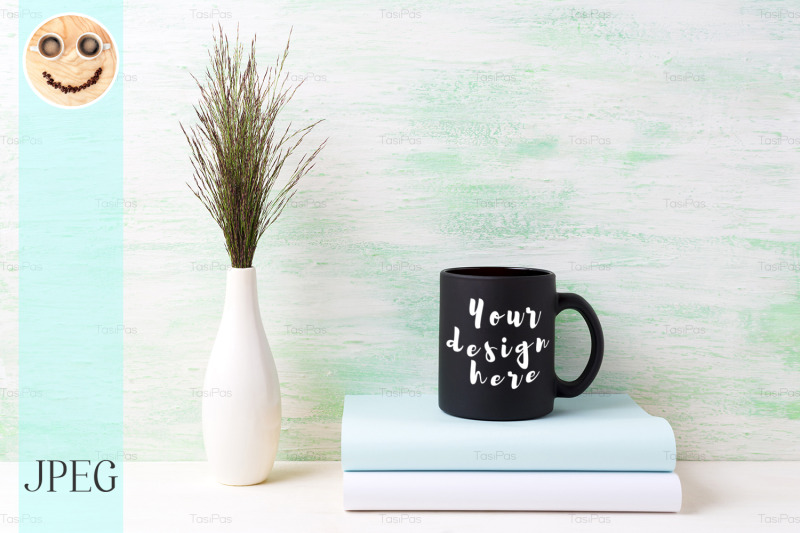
(512, 491)
(650, 449)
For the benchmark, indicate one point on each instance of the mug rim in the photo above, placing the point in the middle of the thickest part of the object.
(60, 42)
(99, 40)
(496, 272)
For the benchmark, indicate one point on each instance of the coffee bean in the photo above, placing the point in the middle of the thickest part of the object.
(68, 89)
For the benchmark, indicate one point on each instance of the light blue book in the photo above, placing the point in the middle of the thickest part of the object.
(593, 432)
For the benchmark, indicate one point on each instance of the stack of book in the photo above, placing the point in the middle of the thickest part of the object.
(596, 452)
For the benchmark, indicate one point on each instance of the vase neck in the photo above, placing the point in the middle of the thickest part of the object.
(241, 291)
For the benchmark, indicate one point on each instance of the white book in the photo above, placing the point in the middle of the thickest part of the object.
(512, 491)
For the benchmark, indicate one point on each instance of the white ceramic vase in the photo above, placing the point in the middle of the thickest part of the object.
(241, 392)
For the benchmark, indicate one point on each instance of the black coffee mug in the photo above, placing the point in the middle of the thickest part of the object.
(497, 343)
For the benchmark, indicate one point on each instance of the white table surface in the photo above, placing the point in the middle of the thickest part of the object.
(307, 497)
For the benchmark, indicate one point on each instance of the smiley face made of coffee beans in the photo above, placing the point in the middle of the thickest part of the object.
(70, 60)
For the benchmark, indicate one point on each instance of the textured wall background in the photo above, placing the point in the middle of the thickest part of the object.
(647, 152)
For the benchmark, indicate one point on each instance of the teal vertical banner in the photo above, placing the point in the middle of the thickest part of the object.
(70, 295)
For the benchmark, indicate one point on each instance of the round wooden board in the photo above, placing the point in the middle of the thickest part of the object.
(70, 68)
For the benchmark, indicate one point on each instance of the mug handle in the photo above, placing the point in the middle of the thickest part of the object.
(570, 389)
(106, 46)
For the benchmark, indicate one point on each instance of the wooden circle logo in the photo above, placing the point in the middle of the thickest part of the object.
(70, 60)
